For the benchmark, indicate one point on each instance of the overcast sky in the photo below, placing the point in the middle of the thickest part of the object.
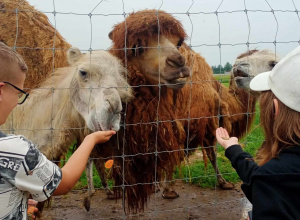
(202, 26)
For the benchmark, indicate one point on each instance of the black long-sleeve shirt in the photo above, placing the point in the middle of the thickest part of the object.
(273, 188)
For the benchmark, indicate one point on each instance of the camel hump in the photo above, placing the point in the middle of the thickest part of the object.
(73, 55)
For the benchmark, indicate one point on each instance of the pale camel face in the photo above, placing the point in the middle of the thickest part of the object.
(99, 87)
(244, 69)
(163, 63)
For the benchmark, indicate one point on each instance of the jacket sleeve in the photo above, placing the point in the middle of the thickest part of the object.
(242, 162)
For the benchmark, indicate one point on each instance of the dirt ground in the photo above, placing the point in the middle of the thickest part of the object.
(193, 203)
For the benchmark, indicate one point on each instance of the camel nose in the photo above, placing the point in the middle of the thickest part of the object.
(176, 60)
(241, 69)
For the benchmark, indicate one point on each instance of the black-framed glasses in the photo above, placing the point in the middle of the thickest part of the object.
(22, 95)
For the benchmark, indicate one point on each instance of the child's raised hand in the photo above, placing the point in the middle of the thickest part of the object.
(223, 138)
(101, 136)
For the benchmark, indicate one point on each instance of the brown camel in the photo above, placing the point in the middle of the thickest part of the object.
(232, 108)
(155, 52)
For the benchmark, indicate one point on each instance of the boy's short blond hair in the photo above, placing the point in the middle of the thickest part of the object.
(10, 57)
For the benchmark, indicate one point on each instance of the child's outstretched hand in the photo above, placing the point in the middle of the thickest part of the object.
(101, 136)
(223, 138)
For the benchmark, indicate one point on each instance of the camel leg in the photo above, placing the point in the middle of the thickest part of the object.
(222, 183)
(91, 188)
(156, 188)
(99, 164)
(89, 176)
(40, 206)
(169, 191)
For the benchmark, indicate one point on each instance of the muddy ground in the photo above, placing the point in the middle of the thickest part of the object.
(193, 203)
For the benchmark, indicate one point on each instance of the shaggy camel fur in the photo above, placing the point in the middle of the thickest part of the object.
(150, 143)
(144, 32)
(85, 97)
(30, 31)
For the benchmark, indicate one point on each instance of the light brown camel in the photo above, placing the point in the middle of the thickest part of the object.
(155, 52)
(85, 97)
(41, 46)
(78, 99)
(232, 108)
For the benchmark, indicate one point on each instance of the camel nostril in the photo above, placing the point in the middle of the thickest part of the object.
(241, 70)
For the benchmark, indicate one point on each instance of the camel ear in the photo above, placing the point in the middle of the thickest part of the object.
(73, 55)
(110, 35)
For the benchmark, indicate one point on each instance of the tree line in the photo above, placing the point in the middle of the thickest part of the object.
(220, 69)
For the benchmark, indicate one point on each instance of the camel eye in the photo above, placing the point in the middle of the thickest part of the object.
(83, 73)
(272, 64)
(180, 42)
(141, 50)
(137, 50)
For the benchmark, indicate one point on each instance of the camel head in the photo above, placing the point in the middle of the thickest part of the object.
(252, 63)
(98, 88)
(151, 40)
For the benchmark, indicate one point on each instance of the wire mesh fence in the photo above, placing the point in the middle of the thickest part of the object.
(177, 103)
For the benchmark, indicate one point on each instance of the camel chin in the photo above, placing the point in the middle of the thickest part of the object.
(175, 84)
(244, 83)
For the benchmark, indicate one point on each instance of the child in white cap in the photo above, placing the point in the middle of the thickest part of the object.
(273, 185)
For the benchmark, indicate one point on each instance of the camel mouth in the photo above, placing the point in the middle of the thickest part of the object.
(178, 78)
(177, 83)
(171, 74)
(243, 82)
(97, 126)
(110, 125)
(108, 121)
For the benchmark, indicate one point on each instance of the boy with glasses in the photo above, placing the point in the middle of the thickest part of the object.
(22, 166)
(22, 94)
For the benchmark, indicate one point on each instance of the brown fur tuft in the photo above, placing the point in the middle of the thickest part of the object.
(140, 27)
(35, 38)
(248, 53)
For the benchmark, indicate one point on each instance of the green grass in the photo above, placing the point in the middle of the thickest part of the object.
(224, 79)
(196, 173)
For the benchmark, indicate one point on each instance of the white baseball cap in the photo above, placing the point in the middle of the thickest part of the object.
(283, 80)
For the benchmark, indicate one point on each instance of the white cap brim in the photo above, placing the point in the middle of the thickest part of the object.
(260, 82)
